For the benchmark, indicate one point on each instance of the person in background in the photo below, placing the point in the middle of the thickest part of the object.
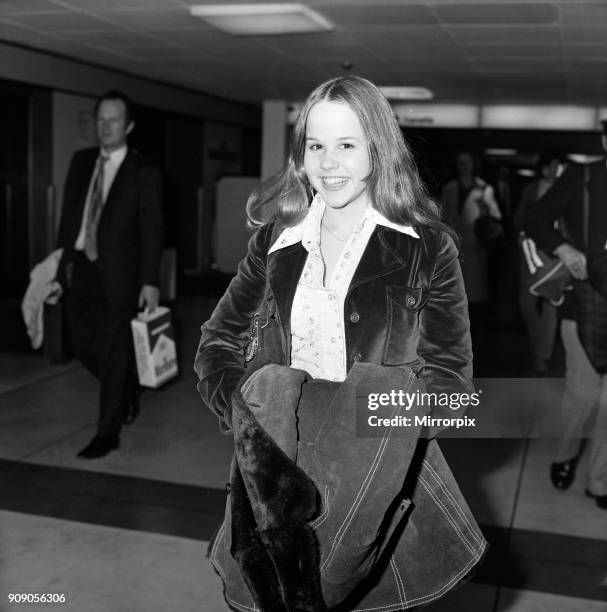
(464, 200)
(584, 403)
(111, 233)
(539, 315)
(503, 193)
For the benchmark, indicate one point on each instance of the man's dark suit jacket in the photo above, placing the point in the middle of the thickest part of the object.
(565, 200)
(130, 231)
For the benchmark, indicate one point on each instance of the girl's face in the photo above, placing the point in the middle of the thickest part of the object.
(336, 158)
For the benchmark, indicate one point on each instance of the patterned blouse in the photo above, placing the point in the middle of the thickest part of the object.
(317, 317)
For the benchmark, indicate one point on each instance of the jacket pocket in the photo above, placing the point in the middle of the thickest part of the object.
(403, 307)
(350, 562)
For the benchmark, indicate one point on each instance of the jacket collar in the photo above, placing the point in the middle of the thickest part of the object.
(308, 229)
(387, 251)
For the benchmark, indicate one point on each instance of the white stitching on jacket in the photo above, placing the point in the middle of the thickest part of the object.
(323, 517)
(359, 497)
(446, 512)
(473, 532)
(399, 582)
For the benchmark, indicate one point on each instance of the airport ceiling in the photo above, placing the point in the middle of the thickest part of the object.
(470, 51)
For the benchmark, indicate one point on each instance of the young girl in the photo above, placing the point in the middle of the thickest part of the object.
(352, 280)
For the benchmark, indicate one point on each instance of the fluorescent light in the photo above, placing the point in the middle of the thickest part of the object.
(407, 93)
(582, 158)
(262, 19)
(526, 172)
(539, 117)
(437, 115)
(501, 152)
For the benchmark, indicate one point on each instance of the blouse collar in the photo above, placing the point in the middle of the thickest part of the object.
(308, 229)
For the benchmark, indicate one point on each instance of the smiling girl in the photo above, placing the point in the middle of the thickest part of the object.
(352, 273)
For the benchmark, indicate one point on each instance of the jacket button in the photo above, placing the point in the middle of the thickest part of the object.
(356, 356)
(410, 301)
(228, 488)
(354, 317)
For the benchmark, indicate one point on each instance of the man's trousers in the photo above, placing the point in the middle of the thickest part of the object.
(102, 341)
(584, 410)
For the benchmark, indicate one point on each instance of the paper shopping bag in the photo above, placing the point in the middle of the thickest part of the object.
(155, 352)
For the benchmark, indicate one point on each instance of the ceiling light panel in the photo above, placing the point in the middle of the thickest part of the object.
(407, 93)
(262, 19)
(539, 117)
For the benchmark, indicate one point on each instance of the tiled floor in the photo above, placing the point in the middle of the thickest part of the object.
(129, 532)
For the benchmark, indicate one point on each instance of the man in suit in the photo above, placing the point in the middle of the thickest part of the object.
(584, 403)
(111, 232)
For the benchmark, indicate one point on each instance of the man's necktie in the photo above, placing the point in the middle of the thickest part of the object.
(94, 210)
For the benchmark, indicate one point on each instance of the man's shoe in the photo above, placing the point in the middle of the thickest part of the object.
(563, 473)
(601, 500)
(131, 410)
(99, 447)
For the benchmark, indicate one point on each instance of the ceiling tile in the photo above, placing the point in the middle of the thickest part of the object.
(497, 14)
(584, 35)
(109, 5)
(396, 34)
(587, 66)
(380, 14)
(583, 13)
(507, 35)
(153, 20)
(59, 21)
(13, 32)
(591, 52)
(514, 66)
(482, 54)
(500, 50)
(15, 7)
(105, 38)
(324, 41)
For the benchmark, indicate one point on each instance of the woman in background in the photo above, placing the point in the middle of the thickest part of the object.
(464, 200)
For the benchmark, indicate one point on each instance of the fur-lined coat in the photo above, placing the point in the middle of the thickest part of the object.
(370, 523)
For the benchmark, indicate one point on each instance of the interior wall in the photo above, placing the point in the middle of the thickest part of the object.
(73, 129)
(38, 68)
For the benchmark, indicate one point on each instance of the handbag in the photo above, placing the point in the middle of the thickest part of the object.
(489, 231)
(544, 276)
(547, 276)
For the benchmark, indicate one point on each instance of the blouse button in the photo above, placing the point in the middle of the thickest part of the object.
(354, 317)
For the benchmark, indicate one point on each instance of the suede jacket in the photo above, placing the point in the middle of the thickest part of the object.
(405, 307)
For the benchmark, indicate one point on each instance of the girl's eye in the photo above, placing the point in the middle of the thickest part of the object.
(315, 147)
(347, 145)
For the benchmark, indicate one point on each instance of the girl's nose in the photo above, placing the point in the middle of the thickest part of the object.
(328, 161)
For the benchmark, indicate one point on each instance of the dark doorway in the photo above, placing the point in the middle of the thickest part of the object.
(14, 249)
